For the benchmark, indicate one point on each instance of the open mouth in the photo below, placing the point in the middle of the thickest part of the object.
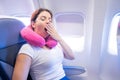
(45, 29)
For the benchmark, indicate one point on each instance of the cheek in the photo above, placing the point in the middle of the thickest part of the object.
(41, 24)
(40, 28)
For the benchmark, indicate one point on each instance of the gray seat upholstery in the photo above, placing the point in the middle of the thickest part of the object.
(10, 43)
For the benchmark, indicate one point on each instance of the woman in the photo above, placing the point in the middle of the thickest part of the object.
(44, 63)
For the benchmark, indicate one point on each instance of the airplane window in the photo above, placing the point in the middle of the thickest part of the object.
(71, 27)
(114, 39)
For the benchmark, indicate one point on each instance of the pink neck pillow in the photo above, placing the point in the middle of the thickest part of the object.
(36, 40)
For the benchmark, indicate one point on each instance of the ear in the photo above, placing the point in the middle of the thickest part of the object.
(33, 24)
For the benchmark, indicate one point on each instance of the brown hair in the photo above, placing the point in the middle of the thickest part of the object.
(37, 12)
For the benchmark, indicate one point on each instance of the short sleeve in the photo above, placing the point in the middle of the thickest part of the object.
(26, 49)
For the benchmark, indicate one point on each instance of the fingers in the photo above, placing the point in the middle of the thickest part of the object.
(50, 28)
(52, 31)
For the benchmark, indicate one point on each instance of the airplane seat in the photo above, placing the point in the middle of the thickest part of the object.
(10, 43)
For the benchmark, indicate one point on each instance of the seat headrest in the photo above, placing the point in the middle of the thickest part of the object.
(10, 31)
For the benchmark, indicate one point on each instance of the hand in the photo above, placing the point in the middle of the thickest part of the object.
(52, 32)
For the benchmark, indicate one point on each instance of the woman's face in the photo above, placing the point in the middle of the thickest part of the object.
(43, 19)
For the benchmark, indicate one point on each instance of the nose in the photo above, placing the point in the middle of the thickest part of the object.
(47, 21)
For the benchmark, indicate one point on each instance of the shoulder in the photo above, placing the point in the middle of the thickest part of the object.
(26, 46)
(26, 49)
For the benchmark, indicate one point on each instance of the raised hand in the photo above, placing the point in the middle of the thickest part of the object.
(53, 32)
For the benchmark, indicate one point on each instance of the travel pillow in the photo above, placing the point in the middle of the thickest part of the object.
(36, 40)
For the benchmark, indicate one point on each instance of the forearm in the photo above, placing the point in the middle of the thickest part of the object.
(68, 53)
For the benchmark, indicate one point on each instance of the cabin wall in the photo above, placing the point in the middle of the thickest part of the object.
(97, 25)
(110, 64)
(16, 8)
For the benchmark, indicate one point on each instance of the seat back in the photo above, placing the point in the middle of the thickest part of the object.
(10, 43)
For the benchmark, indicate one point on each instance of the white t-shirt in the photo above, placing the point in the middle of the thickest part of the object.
(46, 64)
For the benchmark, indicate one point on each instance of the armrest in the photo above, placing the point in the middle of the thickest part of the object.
(74, 70)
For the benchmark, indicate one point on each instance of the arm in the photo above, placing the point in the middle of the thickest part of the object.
(22, 67)
(66, 49)
(68, 53)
